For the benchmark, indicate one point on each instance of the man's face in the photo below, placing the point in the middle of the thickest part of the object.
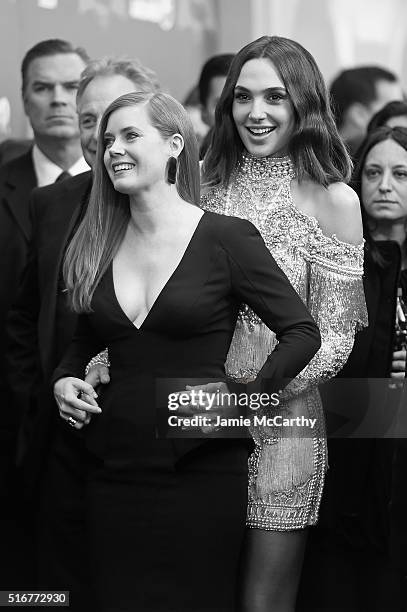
(95, 99)
(215, 90)
(50, 95)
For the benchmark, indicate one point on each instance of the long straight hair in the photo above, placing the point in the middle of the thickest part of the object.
(102, 230)
(315, 146)
(380, 134)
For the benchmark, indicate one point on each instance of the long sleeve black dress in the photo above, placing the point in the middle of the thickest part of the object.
(166, 517)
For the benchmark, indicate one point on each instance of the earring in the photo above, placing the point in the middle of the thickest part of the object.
(171, 170)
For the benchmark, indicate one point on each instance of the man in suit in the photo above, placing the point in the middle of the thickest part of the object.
(50, 77)
(40, 324)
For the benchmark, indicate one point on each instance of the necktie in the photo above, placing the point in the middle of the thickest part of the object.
(64, 175)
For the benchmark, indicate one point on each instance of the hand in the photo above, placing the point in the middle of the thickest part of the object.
(210, 400)
(98, 375)
(71, 408)
(398, 364)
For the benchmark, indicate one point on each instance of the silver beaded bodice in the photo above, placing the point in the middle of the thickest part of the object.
(260, 191)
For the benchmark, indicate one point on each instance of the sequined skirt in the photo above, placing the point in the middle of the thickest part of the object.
(287, 468)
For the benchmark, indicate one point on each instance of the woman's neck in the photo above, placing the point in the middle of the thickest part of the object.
(156, 209)
(390, 231)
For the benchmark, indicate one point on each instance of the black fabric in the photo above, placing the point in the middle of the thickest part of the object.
(17, 179)
(164, 510)
(33, 335)
(63, 176)
(12, 148)
(351, 540)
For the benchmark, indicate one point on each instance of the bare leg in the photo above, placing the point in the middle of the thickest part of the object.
(271, 568)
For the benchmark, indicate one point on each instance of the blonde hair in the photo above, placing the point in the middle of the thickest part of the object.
(102, 230)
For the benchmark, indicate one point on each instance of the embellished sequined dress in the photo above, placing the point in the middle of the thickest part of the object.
(287, 468)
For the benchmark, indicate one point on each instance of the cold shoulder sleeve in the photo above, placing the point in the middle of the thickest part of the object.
(258, 281)
(335, 298)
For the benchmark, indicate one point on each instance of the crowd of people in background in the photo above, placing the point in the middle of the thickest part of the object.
(321, 175)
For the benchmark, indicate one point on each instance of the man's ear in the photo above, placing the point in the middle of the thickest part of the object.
(176, 144)
(358, 115)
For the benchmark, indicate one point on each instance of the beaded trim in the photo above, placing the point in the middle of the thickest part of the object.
(266, 167)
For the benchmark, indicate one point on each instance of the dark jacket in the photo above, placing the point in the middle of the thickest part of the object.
(17, 179)
(31, 328)
(358, 484)
(12, 148)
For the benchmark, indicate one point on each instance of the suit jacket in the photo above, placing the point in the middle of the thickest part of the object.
(12, 148)
(54, 211)
(17, 180)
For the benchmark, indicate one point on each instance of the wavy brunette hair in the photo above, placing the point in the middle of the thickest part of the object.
(102, 229)
(397, 108)
(380, 134)
(315, 146)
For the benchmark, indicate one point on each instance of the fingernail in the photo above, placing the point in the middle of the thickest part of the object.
(95, 394)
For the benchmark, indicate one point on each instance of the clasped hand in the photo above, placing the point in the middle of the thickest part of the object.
(211, 400)
(76, 398)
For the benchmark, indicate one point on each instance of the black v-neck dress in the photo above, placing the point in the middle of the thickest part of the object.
(166, 517)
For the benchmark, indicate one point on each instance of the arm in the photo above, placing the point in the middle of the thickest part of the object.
(335, 287)
(337, 302)
(85, 343)
(68, 380)
(260, 283)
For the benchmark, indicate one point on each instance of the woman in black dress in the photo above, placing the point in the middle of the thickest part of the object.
(159, 282)
(347, 564)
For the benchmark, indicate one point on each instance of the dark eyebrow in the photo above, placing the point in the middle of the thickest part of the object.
(267, 90)
(52, 83)
(129, 127)
(123, 130)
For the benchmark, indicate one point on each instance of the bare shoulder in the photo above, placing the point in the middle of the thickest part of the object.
(336, 209)
(340, 214)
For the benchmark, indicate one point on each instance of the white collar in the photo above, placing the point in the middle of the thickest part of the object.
(47, 172)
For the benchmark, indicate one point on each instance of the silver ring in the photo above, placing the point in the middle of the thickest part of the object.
(71, 421)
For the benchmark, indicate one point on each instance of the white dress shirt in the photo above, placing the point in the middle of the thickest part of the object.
(47, 172)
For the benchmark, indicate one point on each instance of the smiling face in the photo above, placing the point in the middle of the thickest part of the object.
(136, 155)
(96, 97)
(50, 95)
(384, 182)
(262, 110)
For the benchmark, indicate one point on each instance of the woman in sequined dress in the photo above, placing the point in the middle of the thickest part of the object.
(276, 159)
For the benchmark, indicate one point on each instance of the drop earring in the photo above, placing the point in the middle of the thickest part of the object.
(171, 170)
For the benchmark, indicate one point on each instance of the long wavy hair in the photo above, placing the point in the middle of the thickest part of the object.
(380, 134)
(102, 229)
(315, 146)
